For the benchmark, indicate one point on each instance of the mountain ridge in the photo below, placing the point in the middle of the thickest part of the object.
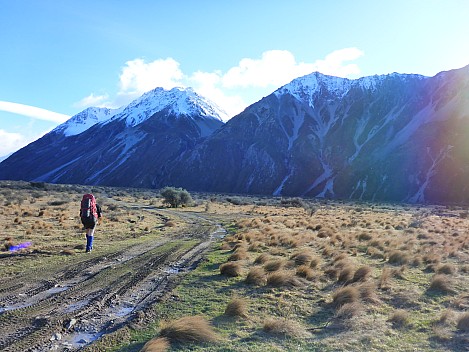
(395, 137)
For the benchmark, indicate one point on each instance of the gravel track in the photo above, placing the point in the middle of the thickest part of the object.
(68, 308)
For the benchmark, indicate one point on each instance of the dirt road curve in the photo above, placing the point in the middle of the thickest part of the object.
(68, 307)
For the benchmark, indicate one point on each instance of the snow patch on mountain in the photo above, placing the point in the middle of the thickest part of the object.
(86, 119)
(177, 101)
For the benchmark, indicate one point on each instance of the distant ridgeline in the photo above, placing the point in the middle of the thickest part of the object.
(393, 137)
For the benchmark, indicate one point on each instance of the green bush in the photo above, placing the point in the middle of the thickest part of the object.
(176, 197)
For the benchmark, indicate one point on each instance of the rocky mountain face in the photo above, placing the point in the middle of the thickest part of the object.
(393, 137)
(126, 147)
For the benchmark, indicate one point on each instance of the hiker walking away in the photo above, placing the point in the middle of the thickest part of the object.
(90, 212)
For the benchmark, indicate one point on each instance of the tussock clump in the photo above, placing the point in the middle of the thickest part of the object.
(446, 317)
(364, 236)
(362, 274)
(256, 276)
(348, 294)
(232, 269)
(315, 261)
(238, 255)
(441, 284)
(306, 272)
(189, 329)
(398, 258)
(399, 318)
(274, 265)
(349, 310)
(262, 258)
(463, 322)
(285, 328)
(346, 274)
(283, 279)
(237, 307)
(448, 269)
(160, 344)
(302, 258)
(375, 253)
(368, 292)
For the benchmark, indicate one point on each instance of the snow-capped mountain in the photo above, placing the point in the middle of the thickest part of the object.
(86, 119)
(128, 146)
(393, 137)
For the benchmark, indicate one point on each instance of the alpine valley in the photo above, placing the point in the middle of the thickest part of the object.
(396, 137)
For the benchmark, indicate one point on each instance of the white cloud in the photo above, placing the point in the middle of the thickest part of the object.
(94, 101)
(208, 85)
(275, 68)
(32, 111)
(333, 64)
(232, 90)
(278, 67)
(138, 77)
(11, 142)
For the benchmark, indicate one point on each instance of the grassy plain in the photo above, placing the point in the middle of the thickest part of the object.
(290, 275)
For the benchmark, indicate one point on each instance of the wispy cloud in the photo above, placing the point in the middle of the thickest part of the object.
(273, 69)
(32, 111)
(11, 142)
(93, 100)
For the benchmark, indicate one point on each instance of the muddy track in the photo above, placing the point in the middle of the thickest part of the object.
(65, 309)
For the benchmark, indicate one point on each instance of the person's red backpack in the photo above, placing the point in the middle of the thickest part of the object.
(88, 209)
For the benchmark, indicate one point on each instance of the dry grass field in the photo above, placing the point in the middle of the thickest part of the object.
(290, 275)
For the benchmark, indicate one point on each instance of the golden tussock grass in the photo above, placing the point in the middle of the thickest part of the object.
(349, 310)
(448, 269)
(305, 272)
(285, 328)
(189, 329)
(343, 295)
(274, 265)
(256, 276)
(441, 283)
(283, 278)
(302, 258)
(399, 318)
(237, 307)
(160, 344)
(262, 258)
(231, 269)
(363, 273)
(398, 258)
(463, 322)
(345, 274)
(238, 255)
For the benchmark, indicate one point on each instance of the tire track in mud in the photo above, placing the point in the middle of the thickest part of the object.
(95, 296)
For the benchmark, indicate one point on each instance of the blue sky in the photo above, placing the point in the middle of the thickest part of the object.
(59, 57)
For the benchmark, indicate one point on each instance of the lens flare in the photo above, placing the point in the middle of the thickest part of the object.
(19, 246)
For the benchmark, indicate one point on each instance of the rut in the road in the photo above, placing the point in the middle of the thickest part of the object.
(30, 328)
